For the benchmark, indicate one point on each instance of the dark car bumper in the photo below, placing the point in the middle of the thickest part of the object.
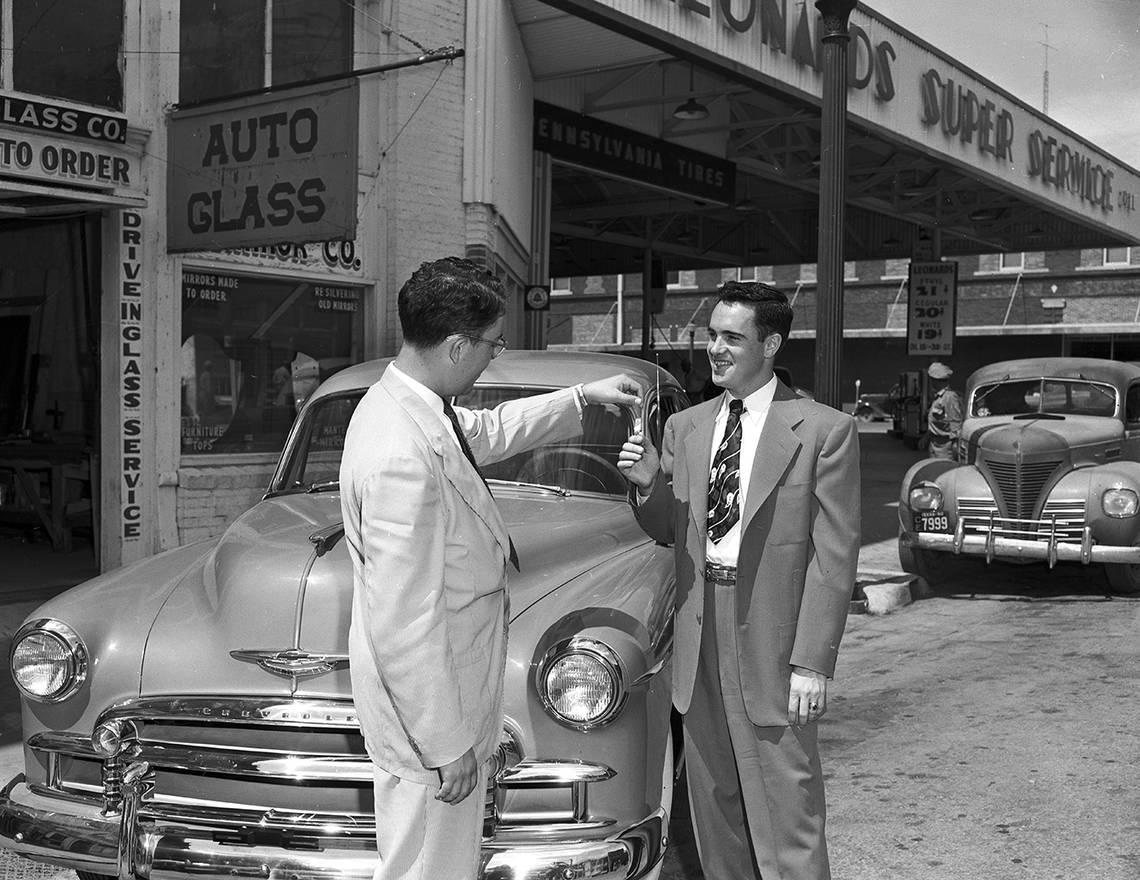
(992, 546)
(179, 843)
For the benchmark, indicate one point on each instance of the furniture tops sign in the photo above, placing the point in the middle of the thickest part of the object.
(906, 90)
(264, 171)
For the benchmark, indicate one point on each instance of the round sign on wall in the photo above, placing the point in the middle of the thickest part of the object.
(538, 297)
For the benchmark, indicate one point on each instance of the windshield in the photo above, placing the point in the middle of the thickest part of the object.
(584, 463)
(1052, 396)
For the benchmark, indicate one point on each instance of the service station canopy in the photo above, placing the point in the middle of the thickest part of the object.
(934, 151)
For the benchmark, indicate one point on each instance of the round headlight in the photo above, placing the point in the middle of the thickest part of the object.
(1119, 503)
(580, 683)
(48, 660)
(926, 496)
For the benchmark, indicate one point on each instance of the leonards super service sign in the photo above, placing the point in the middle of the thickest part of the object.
(266, 170)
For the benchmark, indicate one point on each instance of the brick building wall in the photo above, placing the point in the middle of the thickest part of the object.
(210, 498)
(1003, 310)
(421, 163)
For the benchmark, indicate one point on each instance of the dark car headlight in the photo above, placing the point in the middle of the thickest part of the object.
(48, 660)
(1120, 503)
(580, 683)
(925, 496)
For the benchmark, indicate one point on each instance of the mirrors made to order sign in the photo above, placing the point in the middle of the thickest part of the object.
(930, 316)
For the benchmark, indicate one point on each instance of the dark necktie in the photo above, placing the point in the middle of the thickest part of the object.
(449, 411)
(724, 480)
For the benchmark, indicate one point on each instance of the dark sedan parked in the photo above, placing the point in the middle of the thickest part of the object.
(1048, 470)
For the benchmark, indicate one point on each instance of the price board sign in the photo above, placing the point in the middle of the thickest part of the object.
(931, 312)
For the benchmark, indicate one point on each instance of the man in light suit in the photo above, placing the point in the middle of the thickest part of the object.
(758, 490)
(427, 642)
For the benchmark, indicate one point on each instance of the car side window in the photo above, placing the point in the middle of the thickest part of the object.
(1132, 404)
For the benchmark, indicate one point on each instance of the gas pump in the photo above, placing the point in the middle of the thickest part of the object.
(913, 405)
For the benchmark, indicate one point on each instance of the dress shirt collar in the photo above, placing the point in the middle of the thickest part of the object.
(432, 399)
(756, 402)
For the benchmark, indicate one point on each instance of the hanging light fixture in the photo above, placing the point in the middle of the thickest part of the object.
(692, 109)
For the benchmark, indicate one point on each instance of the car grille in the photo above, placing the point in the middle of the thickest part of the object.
(1063, 517)
(300, 765)
(253, 755)
(1020, 484)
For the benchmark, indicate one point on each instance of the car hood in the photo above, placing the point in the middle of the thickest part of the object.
(267, 589)
(1072, 433)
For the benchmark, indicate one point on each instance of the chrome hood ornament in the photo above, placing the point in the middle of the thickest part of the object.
(292, 662)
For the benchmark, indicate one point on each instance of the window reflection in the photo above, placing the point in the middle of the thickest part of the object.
(254, 349)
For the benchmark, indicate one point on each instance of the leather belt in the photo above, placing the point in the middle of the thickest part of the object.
(720, 574)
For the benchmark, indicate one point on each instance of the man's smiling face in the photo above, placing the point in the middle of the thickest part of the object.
(741, 361)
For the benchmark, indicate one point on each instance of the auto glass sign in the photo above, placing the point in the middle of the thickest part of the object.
(264, 171)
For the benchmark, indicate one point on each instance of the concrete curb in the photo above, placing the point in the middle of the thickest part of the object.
(884, 592)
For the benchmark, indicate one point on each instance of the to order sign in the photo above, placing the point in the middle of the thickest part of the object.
(261, 172)
(930, 316)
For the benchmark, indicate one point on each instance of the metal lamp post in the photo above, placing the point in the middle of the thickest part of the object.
(832, 195)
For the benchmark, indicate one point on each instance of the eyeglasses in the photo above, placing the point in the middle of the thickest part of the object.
(498, 346)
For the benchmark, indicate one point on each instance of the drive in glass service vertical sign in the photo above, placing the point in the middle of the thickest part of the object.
(931, 308)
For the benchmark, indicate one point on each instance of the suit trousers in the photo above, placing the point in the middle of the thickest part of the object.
(420, 838)
(755, 793)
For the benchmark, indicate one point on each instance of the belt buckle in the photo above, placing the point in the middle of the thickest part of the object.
(720, 574)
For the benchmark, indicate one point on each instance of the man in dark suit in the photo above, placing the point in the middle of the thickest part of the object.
(430, 552)
(758, 489)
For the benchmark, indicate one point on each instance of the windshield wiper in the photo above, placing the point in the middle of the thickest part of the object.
(981, 397)
(557, 490)
(323, 486)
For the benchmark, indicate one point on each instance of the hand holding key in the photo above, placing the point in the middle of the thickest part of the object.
(638, 460)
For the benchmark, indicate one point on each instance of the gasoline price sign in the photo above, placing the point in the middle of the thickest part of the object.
(930, 313)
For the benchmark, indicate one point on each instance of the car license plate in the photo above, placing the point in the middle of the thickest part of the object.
(931, 522)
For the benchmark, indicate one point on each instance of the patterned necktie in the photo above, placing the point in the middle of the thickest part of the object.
(449, 411)
(724, 480)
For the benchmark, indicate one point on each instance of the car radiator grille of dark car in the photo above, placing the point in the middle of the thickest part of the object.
(1063, 518)
(1020, 483)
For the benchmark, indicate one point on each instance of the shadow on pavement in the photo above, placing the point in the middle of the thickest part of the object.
(1033, 582)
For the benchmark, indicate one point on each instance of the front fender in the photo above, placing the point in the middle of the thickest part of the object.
(1090, 484)
(627, 603)
(929, 470)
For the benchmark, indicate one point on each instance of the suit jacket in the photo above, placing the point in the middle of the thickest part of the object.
(427, 641)
(798, 551)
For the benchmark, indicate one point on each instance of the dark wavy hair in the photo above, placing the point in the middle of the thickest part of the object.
(446, 296)
(770, 308)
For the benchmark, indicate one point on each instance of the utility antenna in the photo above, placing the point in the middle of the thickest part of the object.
(1045, 78)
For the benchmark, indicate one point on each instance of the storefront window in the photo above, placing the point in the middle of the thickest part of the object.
(253, 350)
(68, 50)
(307, 39)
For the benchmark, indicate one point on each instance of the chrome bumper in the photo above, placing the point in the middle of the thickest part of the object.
(1046, 547)
(152, 846)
